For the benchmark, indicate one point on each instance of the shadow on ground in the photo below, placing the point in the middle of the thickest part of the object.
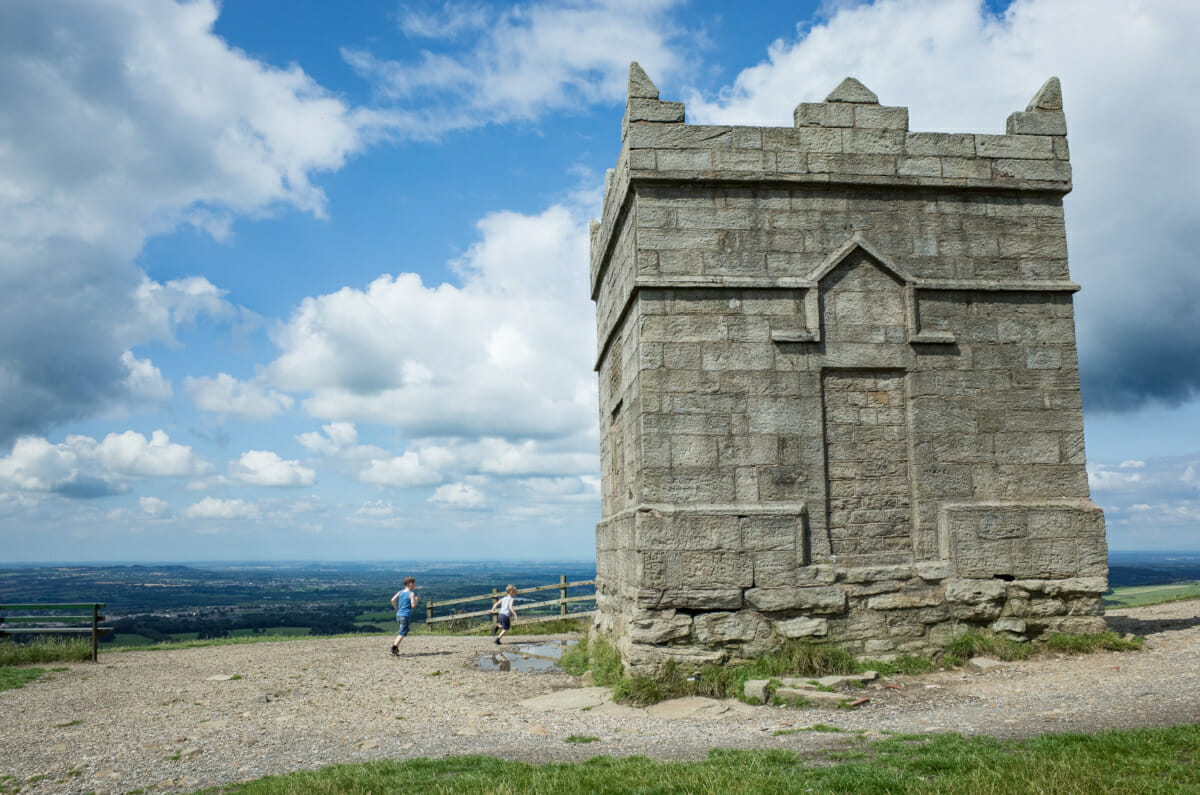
(1149, 626)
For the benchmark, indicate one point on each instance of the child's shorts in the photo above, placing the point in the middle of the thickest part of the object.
(505, 621)
(403, 622)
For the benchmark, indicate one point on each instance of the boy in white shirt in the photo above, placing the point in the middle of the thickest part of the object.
(506, 613)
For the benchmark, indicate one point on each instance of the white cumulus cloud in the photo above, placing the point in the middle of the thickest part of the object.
(506, 354)
(266, 468)
(214, 508)
(224, 394)
(459, 495)
(402, 471)
(154, 507)
(80, 466)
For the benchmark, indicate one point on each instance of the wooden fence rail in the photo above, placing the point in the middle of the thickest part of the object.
(562, 585)
(65, 620)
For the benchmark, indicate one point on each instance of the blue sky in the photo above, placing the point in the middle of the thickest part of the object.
(295, 279)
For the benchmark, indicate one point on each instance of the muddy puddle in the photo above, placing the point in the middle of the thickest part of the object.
(526, 657)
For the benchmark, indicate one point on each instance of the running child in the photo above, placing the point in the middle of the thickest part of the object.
(404, 602)
(505, 610)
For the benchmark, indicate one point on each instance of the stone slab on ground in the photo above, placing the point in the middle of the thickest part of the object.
(688, 707)
(818, 698)
(570, 699)
(982, 665)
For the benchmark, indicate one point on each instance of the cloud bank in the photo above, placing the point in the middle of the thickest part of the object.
(120, 120)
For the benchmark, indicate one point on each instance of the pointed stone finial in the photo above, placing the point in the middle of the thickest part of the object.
(640, 86)
(1048, 98)
(1043, 115)
(850, 90)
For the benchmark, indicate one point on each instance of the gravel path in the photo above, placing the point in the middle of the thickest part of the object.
(181, 720)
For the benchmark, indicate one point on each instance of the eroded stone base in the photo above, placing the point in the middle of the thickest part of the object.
(871, 611)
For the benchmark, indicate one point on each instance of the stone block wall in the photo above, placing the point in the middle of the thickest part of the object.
(839, 394)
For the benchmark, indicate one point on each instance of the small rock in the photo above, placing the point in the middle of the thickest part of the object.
(818, 698)
(757, 688)
(189, 753)
(588, 679)
(539, 730)
(835, 681)
(982, 665)
(367, 745)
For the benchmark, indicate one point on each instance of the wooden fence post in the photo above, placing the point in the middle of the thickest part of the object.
(562, 611)
(428, 612)
(495, 616)
(95, 632)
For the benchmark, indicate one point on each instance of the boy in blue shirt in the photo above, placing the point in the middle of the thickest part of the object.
(404, 602)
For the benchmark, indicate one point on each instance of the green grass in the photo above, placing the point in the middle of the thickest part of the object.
(277, 631)
(596, 655)
(1087, 644)
(46, 649)
(581, 739)
(12, 678)
(1144, 760)
(1144, 595)
(975, 643)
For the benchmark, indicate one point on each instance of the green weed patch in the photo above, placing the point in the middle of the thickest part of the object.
(12, 678)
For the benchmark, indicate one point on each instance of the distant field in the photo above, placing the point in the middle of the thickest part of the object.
(1142, 595)
(375, 617)
(123, 639)
(129, 639)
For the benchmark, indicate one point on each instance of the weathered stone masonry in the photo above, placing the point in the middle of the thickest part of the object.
(839, 394)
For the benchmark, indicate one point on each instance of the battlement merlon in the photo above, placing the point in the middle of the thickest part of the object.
(849, 139)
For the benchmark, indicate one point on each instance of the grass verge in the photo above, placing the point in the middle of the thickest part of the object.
(46, 649)
(1143, 760)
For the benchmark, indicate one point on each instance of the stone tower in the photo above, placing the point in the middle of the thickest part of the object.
(839, 395)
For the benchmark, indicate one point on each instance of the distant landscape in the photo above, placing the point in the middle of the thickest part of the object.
(170, 602)
(155, 603)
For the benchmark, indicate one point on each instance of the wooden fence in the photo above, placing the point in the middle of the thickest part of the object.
(562, 585)
(65, 619)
